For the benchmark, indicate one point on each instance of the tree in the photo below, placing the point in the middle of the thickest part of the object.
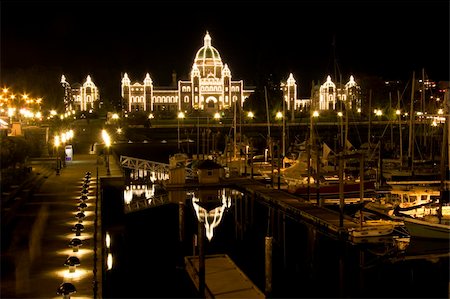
(14, 151)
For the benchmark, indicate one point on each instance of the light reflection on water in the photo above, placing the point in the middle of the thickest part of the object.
(306, 262)
(209, 206)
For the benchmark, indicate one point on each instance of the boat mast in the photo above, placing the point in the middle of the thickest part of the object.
(411, 128)
(444, 155)
(267, 115)
(390, 122)
(422, 108)
(370, 117)
(400, 128)
(310, 140)
(234, 131)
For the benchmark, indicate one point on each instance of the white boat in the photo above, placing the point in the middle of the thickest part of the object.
(415, 202)
(427, 228)
(372, 228)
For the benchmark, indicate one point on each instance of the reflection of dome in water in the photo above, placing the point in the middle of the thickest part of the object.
(208, 59)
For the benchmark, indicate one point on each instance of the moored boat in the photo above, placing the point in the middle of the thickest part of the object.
(373, 228)
(422, 228)
(331, 188)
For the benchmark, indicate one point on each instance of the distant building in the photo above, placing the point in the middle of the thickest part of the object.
(210, 87)
(79, 97)
(327, 96)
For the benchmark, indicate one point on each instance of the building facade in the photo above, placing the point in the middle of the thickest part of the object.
(328, 96)
(80, 97)
(209, 88)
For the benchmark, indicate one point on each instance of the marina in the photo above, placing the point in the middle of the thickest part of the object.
(190, 149)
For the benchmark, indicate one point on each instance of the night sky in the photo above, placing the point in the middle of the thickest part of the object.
(389, 39)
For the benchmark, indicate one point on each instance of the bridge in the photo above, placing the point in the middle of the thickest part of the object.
(155, 171)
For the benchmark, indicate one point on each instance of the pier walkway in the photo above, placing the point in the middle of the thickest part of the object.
(42, 227)
(323, 218)
(223, 279)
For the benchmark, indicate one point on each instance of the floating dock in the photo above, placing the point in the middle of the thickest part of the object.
(223, 279)
(321, 217)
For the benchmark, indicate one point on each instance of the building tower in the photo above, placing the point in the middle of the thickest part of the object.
(67, 94)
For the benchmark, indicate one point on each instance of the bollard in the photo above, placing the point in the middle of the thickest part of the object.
(78, 228)
(66, 289)
(75, 243)
(72, 262)
(80, 216)
(82, 206)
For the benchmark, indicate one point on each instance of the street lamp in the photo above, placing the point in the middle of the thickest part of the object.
(107, 141)
(180, 116)
(63, 141)
(280, 116)
(340, 116)
(56, 144)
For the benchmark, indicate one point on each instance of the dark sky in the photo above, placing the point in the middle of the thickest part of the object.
(390, 39)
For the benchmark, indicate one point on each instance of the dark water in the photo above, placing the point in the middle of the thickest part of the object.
(148, 255)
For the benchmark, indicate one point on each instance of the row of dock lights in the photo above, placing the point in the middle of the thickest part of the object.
(66, 289)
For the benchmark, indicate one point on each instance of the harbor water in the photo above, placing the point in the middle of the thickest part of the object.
(148, 245)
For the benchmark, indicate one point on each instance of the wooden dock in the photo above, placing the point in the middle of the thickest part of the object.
(223, 279)
(296, 207)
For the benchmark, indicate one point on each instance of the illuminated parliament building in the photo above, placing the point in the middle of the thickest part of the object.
(210, 87)
(80, 97)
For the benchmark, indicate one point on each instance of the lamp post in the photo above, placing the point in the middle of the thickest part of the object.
(179, 116)
(107, 141)
(280, 116)
(63, 141)
(341, 125)
(56, 144)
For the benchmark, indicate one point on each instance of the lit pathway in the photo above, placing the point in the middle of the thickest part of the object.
(42, 240)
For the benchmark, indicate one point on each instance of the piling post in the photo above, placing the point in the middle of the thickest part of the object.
(279, 166)
(268, 264)
(181, 221)
(201, 259)
(341, 191)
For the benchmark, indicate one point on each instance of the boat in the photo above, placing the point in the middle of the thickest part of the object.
(329, 187)
(427, 227)
(373, 228)
(414, 201)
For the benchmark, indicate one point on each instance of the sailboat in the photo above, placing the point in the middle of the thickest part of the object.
(373, 228)
(434, 226)
(395, 170)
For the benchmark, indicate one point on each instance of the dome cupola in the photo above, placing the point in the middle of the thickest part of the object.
(208, 59)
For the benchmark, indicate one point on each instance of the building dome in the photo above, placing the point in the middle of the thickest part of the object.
(208, 59)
